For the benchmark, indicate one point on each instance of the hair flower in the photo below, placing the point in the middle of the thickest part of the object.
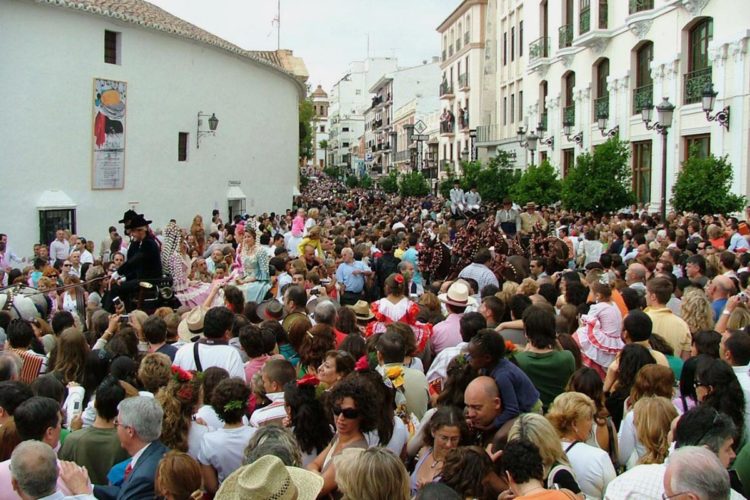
(308, 380)
(181, 375)
(362, 364)
(510, 347)
(396, 375)
(235, 404)
(399, 279)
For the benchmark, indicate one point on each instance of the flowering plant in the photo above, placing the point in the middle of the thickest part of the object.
(308, 379)
(181, 375)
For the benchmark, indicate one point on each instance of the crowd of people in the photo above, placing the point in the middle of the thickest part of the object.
(317, 354)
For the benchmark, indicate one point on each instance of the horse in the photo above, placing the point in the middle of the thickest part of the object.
(24, 302)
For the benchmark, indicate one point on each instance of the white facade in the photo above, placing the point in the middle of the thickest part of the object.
(319, 126)
(50, 57)
(611, 56)
(349, 98)
(462, 37)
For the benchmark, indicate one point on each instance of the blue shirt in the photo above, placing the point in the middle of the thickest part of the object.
(718, 306)
(411, 255)
(517, 392)
(353, 283)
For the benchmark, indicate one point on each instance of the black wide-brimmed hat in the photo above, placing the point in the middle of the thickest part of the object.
(137, 221)
(127, 217)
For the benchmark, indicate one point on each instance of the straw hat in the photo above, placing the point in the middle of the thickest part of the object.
(192, 326)
(362, 310)
(530, 204)
(267, 477)
(458, 295)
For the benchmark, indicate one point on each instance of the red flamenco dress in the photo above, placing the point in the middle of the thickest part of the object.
(405, 311)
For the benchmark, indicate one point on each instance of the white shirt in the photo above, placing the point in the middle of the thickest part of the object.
(223, 449)
(628, 441)
(87, 257)
(439, 367)
(209, 415)
(398, 439)
(273, 412)
(59, 250)
(221, 355)
(592, 467)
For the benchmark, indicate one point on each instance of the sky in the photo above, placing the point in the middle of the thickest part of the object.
(326, 34)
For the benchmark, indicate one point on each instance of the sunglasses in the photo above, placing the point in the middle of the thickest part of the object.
(67, 265)
(348, 413)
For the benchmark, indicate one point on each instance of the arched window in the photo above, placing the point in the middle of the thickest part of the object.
(601, 104)
(569, 107)
(699, 67)
(643, 93)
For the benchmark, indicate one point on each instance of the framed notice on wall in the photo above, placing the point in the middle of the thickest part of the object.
(110, 104)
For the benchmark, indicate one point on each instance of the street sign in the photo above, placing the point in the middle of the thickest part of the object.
(368, 156)
(421, 137)
(420, 127)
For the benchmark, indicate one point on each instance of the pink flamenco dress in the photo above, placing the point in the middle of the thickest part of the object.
(405, 311)
(599, 336)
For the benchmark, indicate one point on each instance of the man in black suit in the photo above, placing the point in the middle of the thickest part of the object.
(139, 422)
(143, 263)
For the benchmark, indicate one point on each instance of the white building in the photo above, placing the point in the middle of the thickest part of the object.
(390, 93)
(462, 36)
(319, 126)
(349, 98)
(155, 73)
(590, 59)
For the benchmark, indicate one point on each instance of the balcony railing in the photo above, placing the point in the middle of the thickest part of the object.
(603, 14)
(446, 89)
(565, 35)
(463, 81)
(694, 83)
(601, 107)
(642, 96)
(585, 21)
(640, 5)
(569, 114)
(447, 128)
(539, 48)
(543, 120)
(404, 155)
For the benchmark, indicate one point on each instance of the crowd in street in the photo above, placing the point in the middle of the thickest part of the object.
(348, 349)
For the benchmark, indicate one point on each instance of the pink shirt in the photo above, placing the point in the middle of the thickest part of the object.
(447, 333)
(298, 226)
(254, 366)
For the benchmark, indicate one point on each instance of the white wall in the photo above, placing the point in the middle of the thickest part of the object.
(49, 59)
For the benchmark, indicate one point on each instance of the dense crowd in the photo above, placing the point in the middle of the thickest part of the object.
(369, 346)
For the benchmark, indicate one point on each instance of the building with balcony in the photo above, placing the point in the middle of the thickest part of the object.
(319, 127)
(462, 36)
(349, 99)
(412, 146)
(390, 93)
(594, 64)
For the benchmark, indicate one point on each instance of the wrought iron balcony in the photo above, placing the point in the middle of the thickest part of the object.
(463, 81)
(446, 90)
(603, 14)
(601, 107)
(640, 6)
(539, 48)
(585, 21)
(569, 114)
(642, 96)
(565, 33)
(694, 83)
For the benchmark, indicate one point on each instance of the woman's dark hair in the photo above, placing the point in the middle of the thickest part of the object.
(393, 287)
(385, 402)
(125, 369)
(658, 344)
(49, 386)
(465, 470)
(687, 379)
(277, 330)
(576, 293)
(211, 378)
(309, 420)
(315, 344)
(344, 362)
(346, 321)
(355, 344)
(237, 323)
(458, 376)
(235, 300)
(256, 342)
(407, 334)
(633, 357)
(707, 342)
(447, 416)
(125, 343)
(362, 391)
(523, 461)
(725, 393)
(229, 400)
(587, 381)
(539, 326)
(568, 343)
(250, 311)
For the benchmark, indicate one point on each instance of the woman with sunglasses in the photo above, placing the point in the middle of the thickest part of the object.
(353, 402)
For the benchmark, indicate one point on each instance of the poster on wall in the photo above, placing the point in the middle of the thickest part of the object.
(110, 98)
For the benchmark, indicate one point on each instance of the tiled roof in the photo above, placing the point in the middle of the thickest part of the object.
(152, 17)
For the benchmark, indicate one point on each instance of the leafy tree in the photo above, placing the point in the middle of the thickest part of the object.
(538, 184)
(331, 172)
(414, 184)
(496, 180)
(306, 113)
(352, 181)
(366, 182)
(704, 186)
(600, 182)
(389, 183)
(324, 146)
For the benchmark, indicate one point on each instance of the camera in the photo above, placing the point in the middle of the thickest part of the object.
(125, 318)
(315, 291)
(743, 297)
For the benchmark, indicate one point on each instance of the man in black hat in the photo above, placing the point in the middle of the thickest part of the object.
(143, 264)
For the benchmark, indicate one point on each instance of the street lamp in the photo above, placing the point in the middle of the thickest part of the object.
(601, 121)
(213, 123)
(708, 100)
(465, 154)
(664, 112)
(549, 141)
(578, 138)
(527, 141)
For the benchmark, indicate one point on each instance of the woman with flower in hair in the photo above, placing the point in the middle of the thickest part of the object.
(176, 262)
(306, 417)
(254, 279)
(221, 451)
(396, 306)
(180, 399)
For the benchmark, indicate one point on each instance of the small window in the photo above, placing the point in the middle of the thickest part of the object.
(358, 92)
(322, 129)
(520, 38)
(505, 48)
(345, 145)
(512, 107)
(345, 129)
(520, 105)
(111, 47)
(512, 43)
(505, 110)
(182, 146)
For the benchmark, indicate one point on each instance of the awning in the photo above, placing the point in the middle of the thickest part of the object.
(55, 199)
(235, 193)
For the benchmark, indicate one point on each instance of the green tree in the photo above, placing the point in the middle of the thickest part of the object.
(704, 186)
(306, 112)
(496, 180)
(600, 182)
(414, 184)
(324, 146)
(538, 184)
(352, 181)
(389, 183)
(366, 182)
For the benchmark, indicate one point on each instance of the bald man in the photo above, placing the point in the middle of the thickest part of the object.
(665, 323)
(719, 290)
(483, 406)
(635, 277)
